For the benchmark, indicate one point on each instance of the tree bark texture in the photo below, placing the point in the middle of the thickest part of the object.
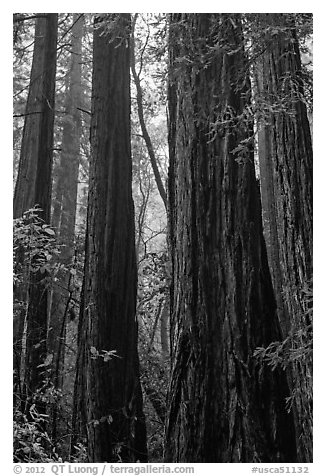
(270, 222)
(34, 185)
(285, 154)
(110, 389)
(222, 405)
(24, 197)
(164, 333)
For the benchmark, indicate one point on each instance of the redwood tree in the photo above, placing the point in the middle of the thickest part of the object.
(107, 392)
(223, 406)
(285, 156)
(33, 186)
(38, 111)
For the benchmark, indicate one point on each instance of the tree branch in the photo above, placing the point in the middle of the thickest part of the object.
(84, 110)
(19, 18)
(146, 136)
(27, 114)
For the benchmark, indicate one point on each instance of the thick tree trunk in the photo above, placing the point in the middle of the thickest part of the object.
(24, 196)
(33, 186)
(222, 406)
(36, 319)
(111, 393)
(285, 154)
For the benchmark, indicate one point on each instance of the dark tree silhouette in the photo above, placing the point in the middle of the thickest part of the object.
(108, 394)
(285, 155)
(223, 406)
(33, 186)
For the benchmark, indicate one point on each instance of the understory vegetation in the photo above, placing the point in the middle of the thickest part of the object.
(162, 233)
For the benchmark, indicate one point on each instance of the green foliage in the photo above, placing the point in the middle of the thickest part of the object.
(35, 251)
(154, 378)
(295, 353)
(32, 431)
(151, 61)
(35, 242)
(31, 442)
(152, 293)
(154, 359)
(297, 347)
(80, 454)
(106, 355)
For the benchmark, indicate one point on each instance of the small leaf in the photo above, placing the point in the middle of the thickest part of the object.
(49, 231)
(48, 359)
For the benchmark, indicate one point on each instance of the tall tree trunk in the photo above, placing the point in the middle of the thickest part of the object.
(222, 406)
(285, 154)
(110, 389)
(67, 185)
(40, 180)
(24, 196)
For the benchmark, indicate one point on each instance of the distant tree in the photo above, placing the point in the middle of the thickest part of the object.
(108, 398)
(222, 406)
(33, 186)
(64, 214)
(285, 157)
(22, 60)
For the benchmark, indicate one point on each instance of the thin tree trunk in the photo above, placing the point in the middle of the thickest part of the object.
(222, 406)
(140, 108)
(164, 324)
(67, 189)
